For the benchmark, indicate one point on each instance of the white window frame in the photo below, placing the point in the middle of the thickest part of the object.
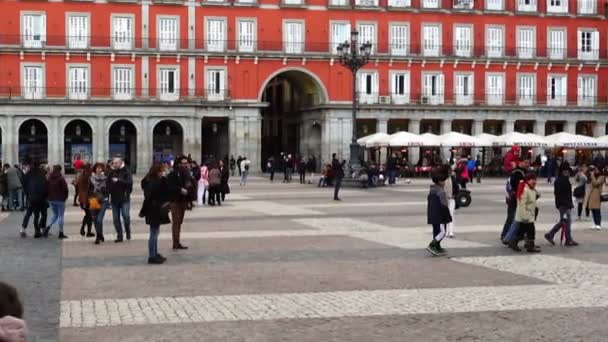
(430, 4)
(428, 97)
(167, 41)
(366, 3)
(463, 49)
(557, 51)
(293, 2)
(217, 93)
(366, 97)
(119, 93)
(399, 3)
(429, 48)
(30, 38)
(495, 50)
(246, 2)
(291, 46)
(495, 98)
(463, 5)
(339, 3)
(527, 96)
(460, 97)
(396, 97)
(81, 40)
(333, 36)
(249, 44)
(125, 41)
(527, 5)
(80, 90)
(583, 98)
(374, 38)
(526, 50)
(557, 99)
(587, 7)
(591, 52)
(399, 47)
(495, 5)
(557, 6)
(218, 43)
(165, 95)
(34, 91)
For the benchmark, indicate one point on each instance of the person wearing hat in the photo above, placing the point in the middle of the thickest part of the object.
(564, 204)
(526, 213)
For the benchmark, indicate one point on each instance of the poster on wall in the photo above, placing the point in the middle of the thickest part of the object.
(84, 151)
(118, 150)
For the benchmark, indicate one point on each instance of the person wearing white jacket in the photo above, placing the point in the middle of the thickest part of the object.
(451, 189)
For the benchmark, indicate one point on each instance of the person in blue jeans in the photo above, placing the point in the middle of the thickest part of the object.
(155, 208)
(120, 186)
(58, 194)
(99, 184)
(564, 204)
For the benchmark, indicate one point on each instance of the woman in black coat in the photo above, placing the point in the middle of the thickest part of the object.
(155, 208)
(225, 175)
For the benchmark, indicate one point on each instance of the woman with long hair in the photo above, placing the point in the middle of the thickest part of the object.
(155, 208)
(84, 192)
(58, 194)
(99, 190)
(595, 197)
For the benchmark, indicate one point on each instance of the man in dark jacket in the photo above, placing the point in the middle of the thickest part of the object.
(391, 169)
(517, 175)
(563, 203)
(37, 192)
(120, 186)
(180, 184)
(337, 169)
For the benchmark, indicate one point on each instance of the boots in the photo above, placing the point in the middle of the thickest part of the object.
(89, 232)
(513, 245)
(531, 247)
(37, 233)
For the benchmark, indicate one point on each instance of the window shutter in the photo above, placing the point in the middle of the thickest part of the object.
(595, 44)
(43, 28)
(406, 86)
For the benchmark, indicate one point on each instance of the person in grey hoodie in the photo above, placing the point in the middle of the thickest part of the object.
(99, 184)
(438, 212)
(15, 187)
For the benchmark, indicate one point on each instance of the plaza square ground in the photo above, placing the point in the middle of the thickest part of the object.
(283, 262)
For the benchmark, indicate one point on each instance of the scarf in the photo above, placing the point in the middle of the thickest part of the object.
(521, 187)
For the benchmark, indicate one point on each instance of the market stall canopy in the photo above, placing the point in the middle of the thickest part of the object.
(603, 140)
(402, 139)
(486, 139)
(565, 139)
(519, 139)
(430, 139)
(363, 141)
(455, 139)
(380, 140)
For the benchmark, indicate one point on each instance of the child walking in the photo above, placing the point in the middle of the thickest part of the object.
(438, 212)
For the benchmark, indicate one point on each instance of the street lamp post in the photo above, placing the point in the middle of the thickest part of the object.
(353, 57)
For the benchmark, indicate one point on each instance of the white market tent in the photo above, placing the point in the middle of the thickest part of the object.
(519, 139)
(378, 140)
(363, 141)
(602, 140)
(565, 139)
(455, 139)
(430, 140)
(406, 139)
(486, 139)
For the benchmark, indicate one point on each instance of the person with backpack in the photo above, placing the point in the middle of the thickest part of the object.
(244, 170)
(37, 191)
(516, 176)
(563, 203)
(438, 212)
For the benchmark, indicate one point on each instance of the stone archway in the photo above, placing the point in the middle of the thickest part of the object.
(123, 142)
(167, 141)
(288, 92)
(33, 142)
(78, 143)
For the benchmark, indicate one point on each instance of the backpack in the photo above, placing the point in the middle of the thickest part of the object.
(246, 167)
(508, 186)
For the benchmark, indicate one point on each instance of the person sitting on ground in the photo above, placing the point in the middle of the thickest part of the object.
(12, 327)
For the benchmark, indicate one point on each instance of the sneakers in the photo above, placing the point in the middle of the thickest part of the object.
(596, 227)
(37, 234)
(62, 236)
(531, 247)
(571, 243)
(435, 249)
(549, 239)
(513, 245)
(157, 260)
(45, 232)
(22, 233)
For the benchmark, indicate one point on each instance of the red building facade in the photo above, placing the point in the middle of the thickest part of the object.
(148, 79)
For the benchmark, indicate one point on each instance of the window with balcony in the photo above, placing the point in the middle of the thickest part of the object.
(216, 84)
(368, 86)
(432, 88)
(526, 5)
(399, 39)
(557, 6)
(246, 35)
(526, 85)
(495, 42)
(495, 5)
(588, 45)
(430, 3)
(587, 91)
(366, 3)
(526, 40)
(168, 33)
(557, 43)
(32, 81)
(557, 90)
(246, 2)
(367, 34)
(339, 2)
(463, 89)
(78, 82)
(463, 4)
(399, 3)
(168, 83)
(78, 31)
(216, 34)
(122, 83)
(431, 40)
(33, 30)
(122, 32)
(495, 89)
(293, 2)
(400, 87)
(587, 6)
(463, 41)
(293, 36)
(340, 33)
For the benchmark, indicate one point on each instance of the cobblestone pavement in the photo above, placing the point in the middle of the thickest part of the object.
(282, 262)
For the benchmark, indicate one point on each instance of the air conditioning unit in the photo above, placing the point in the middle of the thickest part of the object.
(425, 100)
(384, 99)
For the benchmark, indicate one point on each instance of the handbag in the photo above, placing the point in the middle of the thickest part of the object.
(579, 192)
(604, 198)
(94, 203)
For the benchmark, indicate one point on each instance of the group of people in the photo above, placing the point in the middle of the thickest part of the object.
(288, 164)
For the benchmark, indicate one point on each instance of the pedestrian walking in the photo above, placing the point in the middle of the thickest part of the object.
(14, 183)
(525, 215)
(302, 170)
(203, 184)
(516, 176)
(4, 194)
(451, 188)
(215, 183)
(232, 164)
(238, 164)
(270, 168)
(580, 192)
(244, 171)
(311, 167)
(84, 196)
(438, 212)
(337, 169)
(58, 194)
(225, 176)
(392, 169)
(36, 188)
(563, 202)
(180, 185)
(595, 201)
(120, 186)
(100, 192)
(155, 208)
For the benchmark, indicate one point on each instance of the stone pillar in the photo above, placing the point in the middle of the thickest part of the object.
(144, 146)
(53, 141)
(476, 130)
(509, 126)
(232, 138)
(145, 24)
(11, 136)
(413, 152)
(570, 127)
(100, 137)
(446, 127)
(192, 138)
(382, 127)
(599, 129)
(539, 129)
(245, 135)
